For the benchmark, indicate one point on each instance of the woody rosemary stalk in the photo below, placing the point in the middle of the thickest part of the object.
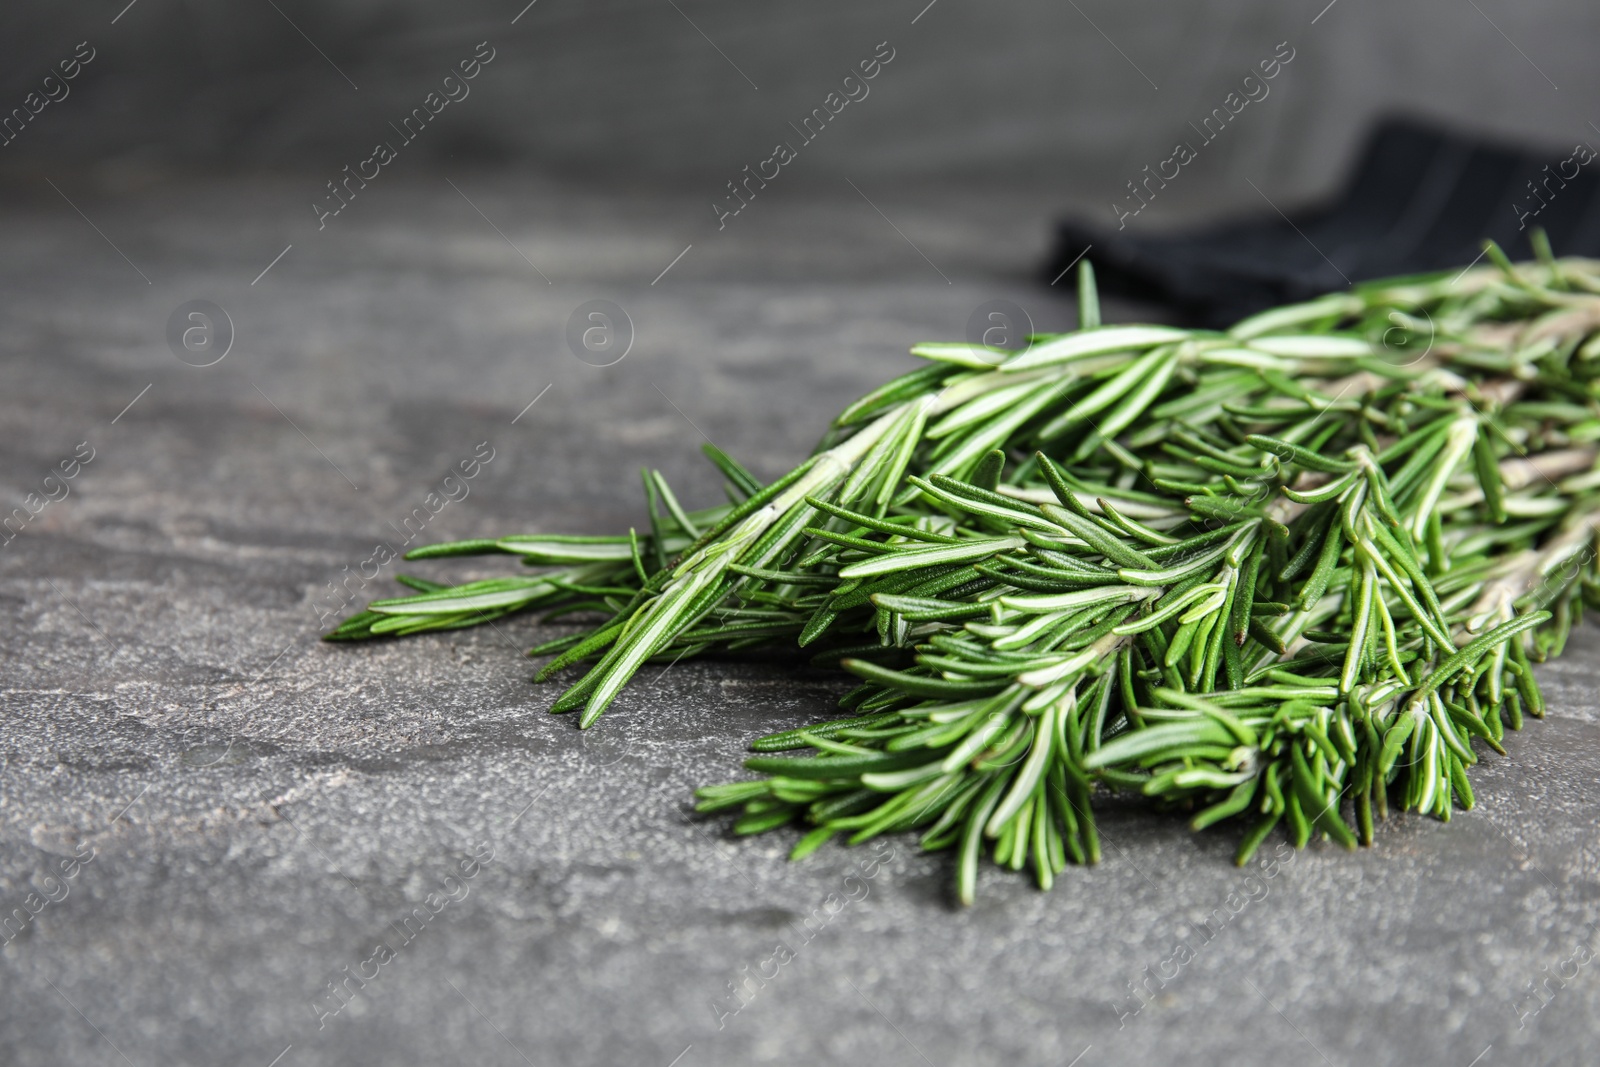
(1287, 574)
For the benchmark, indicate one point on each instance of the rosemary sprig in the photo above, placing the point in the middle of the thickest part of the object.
(1285, 574)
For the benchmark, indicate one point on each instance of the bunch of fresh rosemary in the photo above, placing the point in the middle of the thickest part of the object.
(1285, 573)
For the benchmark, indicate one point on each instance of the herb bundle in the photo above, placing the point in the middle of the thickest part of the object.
(1286, 574)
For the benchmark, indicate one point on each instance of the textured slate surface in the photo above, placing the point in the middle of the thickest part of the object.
(262, 809)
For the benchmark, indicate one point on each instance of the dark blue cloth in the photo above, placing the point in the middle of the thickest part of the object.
(1420, 198)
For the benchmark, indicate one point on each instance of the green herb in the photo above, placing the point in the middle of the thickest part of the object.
(1283, 575)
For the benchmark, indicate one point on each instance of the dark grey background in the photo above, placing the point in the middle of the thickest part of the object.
(262, 805)
(1076, 97)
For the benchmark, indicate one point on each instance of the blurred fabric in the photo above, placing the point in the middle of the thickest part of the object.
(1421, 198)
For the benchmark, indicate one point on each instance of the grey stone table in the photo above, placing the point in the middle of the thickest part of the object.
(209, 819)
